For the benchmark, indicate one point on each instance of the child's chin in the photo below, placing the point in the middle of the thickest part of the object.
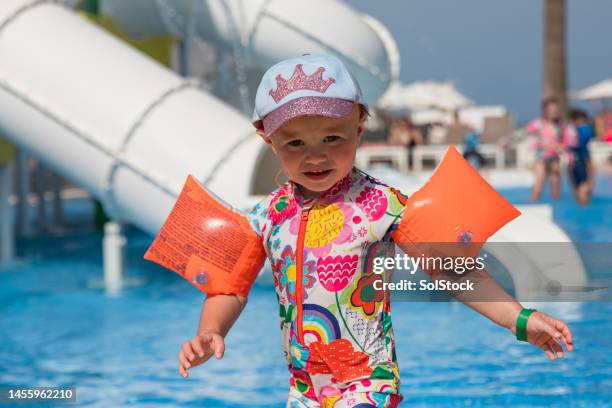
(320, 186)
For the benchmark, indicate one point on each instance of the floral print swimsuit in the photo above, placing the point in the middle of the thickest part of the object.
(336, 330)
(549, 135)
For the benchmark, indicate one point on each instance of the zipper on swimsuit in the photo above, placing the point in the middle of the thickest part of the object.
(299, 278)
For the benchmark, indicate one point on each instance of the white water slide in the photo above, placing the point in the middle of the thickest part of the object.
(129, 130)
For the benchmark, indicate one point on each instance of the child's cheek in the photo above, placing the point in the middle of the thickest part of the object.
(291, 157)
(290, 161)
(346, 153)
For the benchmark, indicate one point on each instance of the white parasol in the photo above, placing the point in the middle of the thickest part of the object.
(601, 90)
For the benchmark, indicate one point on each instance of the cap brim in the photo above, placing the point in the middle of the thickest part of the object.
(306, 106)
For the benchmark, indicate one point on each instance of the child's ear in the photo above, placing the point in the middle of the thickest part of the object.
(361, 126)
(264, 136)
(266, 139)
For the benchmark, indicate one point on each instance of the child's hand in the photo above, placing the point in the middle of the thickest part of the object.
(546, 332)
(198, 350)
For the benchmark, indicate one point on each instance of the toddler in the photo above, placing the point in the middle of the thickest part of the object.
(336, 330)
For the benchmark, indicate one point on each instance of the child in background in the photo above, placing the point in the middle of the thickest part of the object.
(336, 331)
(551, 141)
(581, 168)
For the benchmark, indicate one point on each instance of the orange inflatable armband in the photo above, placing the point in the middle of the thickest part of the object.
(456, 205)
(208, 243)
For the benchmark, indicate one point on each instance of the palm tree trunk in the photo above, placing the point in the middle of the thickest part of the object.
(554, 52)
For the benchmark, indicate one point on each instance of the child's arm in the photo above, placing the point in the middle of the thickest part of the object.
(543, 331)
(218, 315)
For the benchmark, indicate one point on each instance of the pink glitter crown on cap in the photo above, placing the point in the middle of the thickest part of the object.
(300, 81)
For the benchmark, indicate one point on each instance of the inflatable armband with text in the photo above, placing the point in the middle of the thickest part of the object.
(208, 243)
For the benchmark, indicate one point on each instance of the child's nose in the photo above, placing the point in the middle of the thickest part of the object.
(316, 157)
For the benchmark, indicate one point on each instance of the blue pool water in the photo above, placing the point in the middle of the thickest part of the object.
(59, 329)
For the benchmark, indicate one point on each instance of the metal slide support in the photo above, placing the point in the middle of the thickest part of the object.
(7, 232)
(113, 248)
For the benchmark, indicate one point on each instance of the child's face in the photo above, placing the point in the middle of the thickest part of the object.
(316, 151)
(579, 120)
(552, 111)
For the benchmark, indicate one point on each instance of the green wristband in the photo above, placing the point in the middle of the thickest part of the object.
(521, 324)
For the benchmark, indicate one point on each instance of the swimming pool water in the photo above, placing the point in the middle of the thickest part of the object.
(59, 329)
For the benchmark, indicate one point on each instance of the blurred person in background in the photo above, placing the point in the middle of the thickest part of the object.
(471, 153)
(457, 131)
(551, 140)
(603, 125)
(580, 168)
(402, 132)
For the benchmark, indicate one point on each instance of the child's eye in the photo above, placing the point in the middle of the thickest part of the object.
(331, 138)
(295, 143)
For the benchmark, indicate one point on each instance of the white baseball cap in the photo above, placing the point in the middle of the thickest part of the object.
(313, 84)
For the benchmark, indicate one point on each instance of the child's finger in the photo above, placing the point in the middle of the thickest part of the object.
(218, 345)
(188, 351)
(556, 347)
(182, 371)
(567, 344)
(201, 344)
(183, 360)
(566, 334)
(550, 354)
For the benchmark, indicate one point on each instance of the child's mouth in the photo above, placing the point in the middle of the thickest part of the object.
(317, 175)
